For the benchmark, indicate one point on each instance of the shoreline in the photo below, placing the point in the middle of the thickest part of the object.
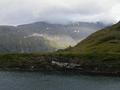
(67, 71)
(99, 65)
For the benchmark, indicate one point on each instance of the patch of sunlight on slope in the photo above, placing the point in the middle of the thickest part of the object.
(61, 42)
(56, 41)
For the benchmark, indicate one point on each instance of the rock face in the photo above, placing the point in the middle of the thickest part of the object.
(43, 37)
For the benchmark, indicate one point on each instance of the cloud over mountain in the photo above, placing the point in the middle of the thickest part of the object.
(58, 11)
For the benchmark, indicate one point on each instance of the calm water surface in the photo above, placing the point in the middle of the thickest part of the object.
(49, 81)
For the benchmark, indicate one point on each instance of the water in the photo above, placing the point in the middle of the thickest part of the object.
(49, 81)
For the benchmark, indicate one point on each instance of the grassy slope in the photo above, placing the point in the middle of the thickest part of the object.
(103, 41)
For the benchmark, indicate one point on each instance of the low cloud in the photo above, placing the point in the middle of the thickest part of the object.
(58, 11)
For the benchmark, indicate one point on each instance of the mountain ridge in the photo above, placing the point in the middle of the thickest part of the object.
(43, 36)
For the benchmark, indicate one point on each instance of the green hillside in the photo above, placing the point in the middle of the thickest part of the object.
(102, 41)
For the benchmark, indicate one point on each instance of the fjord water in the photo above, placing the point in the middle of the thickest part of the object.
(50, 81)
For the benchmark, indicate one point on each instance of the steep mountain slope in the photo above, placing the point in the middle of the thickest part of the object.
(12, 40)
(103, 41)
(44, 37)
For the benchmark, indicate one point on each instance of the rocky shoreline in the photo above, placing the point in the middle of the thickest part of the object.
(74, 64)
(63, 70)
(69, 71)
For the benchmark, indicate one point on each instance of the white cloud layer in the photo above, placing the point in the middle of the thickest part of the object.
(58, 11)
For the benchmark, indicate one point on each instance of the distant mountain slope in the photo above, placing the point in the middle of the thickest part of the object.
(44, 37)
(104, 41)
(76, 30)
(13, 40)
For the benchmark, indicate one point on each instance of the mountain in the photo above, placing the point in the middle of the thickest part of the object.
(98, 54)
(103, 41)
(77, 30)
(43, 36)
(12, 40)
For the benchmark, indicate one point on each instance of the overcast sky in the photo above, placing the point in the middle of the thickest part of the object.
(14, 12)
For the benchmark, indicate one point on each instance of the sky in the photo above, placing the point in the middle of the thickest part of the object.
(15, 12)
